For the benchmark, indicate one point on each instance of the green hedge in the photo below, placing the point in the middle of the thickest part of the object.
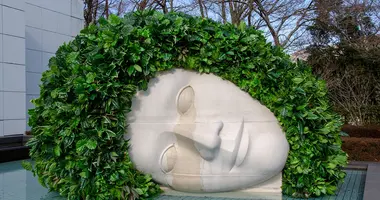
(80, 117)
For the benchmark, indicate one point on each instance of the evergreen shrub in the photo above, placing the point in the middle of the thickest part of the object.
(79, 120)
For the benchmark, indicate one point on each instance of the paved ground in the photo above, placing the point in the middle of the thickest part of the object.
(351, 189)
(372, 183)
(17, 184)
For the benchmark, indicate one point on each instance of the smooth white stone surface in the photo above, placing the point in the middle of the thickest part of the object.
(199, 133)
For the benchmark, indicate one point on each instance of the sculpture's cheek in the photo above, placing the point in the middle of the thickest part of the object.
(266, 157)
(267, 153)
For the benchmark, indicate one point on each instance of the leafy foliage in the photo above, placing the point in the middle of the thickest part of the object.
(80, 117)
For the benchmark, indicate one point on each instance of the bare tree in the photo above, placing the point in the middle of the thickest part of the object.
(223, 10)
(352, 95)
(90, 11)
(93, 9)
(282, 20)
(201, 8)
(285, 20)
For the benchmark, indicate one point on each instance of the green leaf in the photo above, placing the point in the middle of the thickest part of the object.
(114, 20)
(110, 133)
(98, 57)
(102, 21)
(311, 115)
(91, 144)
(297, 80)
(167, 56)
(242, 26)
(83, 174)
(131, 70)
(166, 22)
(27, 165)
(299, 169)
(114, 177)
(57, 150)
(137, 67)
(331, 189)
(71, 57)
(318, 192)
(139, 191)
(90, 77)
(80, 146)
(178, 21)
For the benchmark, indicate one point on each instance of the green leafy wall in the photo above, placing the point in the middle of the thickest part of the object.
(80, 117)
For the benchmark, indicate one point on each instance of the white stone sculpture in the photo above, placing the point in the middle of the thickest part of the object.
(199, 133)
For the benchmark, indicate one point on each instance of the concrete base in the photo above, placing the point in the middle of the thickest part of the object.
(372, 182)
(270, 189)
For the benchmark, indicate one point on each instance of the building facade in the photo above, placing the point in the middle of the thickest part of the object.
(30, 33)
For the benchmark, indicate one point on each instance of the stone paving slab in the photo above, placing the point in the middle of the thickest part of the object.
(372, 183)
(17, 184)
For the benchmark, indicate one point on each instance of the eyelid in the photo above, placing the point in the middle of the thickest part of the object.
(185, 99)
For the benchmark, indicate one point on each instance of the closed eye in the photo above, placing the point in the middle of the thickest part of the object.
(168, 159)
(185, 99)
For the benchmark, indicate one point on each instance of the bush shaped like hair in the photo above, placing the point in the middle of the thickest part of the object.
(79, 120)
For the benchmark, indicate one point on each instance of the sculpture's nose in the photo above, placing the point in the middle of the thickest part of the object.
(208, 141)
(209, 144)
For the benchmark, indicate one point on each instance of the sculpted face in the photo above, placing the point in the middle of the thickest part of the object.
(199, 133)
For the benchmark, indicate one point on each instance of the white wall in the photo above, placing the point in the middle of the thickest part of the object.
(12, 67)
(31, 32)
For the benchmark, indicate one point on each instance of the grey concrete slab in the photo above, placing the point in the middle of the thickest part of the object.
(373, 177)
(34, 61)
(14, 79)
(352, 188)
(1, 75)
(17, 4)
(77, 9)
(374, 168)
(14, 127)
(14, 105)
(1, 127)
(1, 107)
(33, 38)
(33, 81)
(13, 49)
(13, 22)
(372, 183)
(33, 16)
(1, 18)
